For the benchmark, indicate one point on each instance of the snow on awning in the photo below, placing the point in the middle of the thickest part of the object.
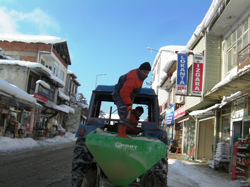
(230, 76)
(15, 91)
(56, 79)
(200, 112)
(31, 65)
(43, 83)
(77, 82)
(83, 105)
(69, 72)
(57, 107)
(71, 110)
(63, 96)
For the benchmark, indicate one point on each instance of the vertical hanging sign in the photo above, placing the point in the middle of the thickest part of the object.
(182, 74)
(197, 75)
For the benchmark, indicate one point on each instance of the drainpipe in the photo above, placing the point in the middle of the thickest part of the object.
(204, 67)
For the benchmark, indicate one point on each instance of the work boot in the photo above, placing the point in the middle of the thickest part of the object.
(122, 131)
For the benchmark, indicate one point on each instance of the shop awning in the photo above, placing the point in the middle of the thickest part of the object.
(233, 83)
(71, 110)
(63, 96)
(57, 107)
(17, 97)
(200, 113)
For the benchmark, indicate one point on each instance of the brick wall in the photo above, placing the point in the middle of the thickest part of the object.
(26, 51)
(59, 57)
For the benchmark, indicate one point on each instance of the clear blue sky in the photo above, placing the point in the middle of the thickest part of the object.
(106, 36)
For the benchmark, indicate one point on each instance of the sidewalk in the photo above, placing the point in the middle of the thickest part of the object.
(200, 166)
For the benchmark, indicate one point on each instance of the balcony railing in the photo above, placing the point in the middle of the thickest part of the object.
(243, 57)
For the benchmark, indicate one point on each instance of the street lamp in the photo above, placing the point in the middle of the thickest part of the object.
(152, 49)
(97, 76)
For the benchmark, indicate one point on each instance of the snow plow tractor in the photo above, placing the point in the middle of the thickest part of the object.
(101, 159)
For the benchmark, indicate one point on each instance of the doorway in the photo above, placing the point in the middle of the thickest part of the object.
(206, 139)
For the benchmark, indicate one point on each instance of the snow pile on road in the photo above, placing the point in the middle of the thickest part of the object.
(7, 144)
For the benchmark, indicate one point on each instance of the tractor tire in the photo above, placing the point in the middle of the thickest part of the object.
(81, 164)
(157, 176)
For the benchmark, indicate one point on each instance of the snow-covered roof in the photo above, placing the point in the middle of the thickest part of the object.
(170, 49)
(15, 91)
(71, 73)
(205, 22)
(31, 38)
(63, 96)
(57, 107)
(71, 110)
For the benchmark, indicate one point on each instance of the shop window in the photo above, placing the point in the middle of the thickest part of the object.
(32, 82)
(246, 128)
(239, 104)
(225, 128)
(188, 136)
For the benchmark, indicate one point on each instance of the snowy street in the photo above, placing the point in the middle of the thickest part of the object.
(190, 174)
(47, 162)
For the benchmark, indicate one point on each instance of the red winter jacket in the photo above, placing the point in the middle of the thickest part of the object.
(131, 130)
(131, 87)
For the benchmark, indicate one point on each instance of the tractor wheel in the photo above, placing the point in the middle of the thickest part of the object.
(81, 164)
(157, 176)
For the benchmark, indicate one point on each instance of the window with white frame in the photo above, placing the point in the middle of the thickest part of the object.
(55, 69)
(236, 41)
(62, 75)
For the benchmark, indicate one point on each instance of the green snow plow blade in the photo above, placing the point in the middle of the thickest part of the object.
(121, 159)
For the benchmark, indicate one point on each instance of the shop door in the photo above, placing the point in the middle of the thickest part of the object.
(206, 139)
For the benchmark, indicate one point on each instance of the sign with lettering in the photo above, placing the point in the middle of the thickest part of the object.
(179, 112)
(40, 98)
(42, 90)
(182, 74)
(169, 117)
(197, 75)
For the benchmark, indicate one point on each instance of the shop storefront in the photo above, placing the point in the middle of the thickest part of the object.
(16, 111)
(189, 137)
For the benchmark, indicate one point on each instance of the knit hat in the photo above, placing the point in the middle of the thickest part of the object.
(145, 66)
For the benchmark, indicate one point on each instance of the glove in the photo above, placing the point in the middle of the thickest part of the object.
(129, 107)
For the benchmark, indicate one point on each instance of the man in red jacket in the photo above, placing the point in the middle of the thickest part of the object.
(128, 86)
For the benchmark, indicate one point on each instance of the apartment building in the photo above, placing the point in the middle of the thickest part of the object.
(221, 113)
(38, 65)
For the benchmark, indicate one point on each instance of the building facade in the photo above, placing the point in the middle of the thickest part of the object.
(38, 65)
(221, 112)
